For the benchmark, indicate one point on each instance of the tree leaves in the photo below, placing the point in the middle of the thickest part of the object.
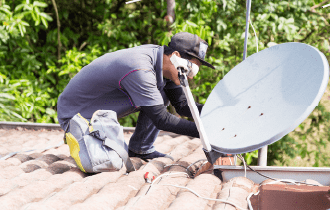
(34, 76)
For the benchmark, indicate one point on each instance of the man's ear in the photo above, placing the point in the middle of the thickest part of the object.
(176, 53)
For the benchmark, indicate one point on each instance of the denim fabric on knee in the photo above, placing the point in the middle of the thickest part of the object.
(144, 136)
(145, 133)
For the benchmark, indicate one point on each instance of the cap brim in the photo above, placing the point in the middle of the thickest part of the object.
(202, 61)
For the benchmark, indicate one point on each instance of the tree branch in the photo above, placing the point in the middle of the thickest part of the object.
(170, 11)
(58, 32)
(318, 5)
(308, 35)
(320, 14)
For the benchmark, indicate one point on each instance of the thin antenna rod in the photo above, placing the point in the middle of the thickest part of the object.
(129, 2)
(328, 5)
(248, 7)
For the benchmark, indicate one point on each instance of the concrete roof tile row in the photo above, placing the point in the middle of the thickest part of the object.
(51, 180)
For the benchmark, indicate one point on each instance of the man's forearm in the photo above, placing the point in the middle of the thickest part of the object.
(164, 120)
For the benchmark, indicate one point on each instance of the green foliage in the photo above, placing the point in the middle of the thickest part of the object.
(16, 21)
(314, 131)
(7, 101)
(32, 77)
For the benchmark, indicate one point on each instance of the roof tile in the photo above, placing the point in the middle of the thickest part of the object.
(62, 166)
(158, 196)
(19, 197)
(161, 139)
(55, 182)
(27, 178)
(4, 150)
(118, 193)
(4, 164)
(214, 195)
(184, 149)
(197, 155)
(10, 172)
(204, 185)
(75, 193)
(137, 162)
(49, 158)
(6, 186)
(34, 154)
(21, 157)
(170, 144)
(66, 178)
(12, 161)
(32, 165)
(233, 191)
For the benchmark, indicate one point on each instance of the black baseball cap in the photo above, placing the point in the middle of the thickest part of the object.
(190, 44)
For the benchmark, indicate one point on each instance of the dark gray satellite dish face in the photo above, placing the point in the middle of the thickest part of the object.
(265, 97)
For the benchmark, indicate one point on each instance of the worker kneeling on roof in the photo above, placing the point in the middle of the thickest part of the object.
(139, 79)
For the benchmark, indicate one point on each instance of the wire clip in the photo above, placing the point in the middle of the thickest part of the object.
(148, 177)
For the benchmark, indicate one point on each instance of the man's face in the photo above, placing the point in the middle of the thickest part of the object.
(197, 62)
(169, 70)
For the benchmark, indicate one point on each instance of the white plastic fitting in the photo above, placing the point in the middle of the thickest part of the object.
(190, 69)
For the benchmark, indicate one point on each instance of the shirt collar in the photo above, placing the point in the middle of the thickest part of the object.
(159, 66)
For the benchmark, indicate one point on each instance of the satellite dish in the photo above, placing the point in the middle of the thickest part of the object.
(265, 97)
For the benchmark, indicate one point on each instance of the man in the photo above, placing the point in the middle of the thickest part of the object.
(137, 79)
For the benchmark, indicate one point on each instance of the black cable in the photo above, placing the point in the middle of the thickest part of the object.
(273, 178)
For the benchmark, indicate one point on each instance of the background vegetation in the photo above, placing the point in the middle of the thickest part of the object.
(44, 43)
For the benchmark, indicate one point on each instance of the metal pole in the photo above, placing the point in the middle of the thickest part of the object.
(195, 114)
(248, 9)
(262, 153)
(262, 156)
